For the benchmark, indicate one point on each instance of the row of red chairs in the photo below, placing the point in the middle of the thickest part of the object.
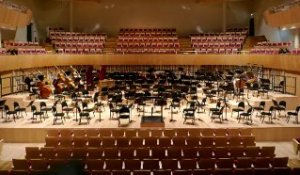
(217, 44)
(295, 51)
(147, 35)
(268, 51)
(273, 44)
(150, 141)
(78, 34)
(78, 39)
(148, 44)
(147, 153)
(128, 133)
(217, 50)
(238, 33)
(147, 30)
(33, 51)
(78, 45)
(218, 38)
(20, 44)
(147, 50)
(147, 39)
(79, 51)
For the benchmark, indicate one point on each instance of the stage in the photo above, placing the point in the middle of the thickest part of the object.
(24, 131)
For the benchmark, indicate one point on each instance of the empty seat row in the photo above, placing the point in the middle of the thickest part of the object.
(79, 51)
(78, 45)
(203, 141)
(147, 44)
(88, 39)
(147, 39)
(147, 30)
(154, 164)
(217, 51)
(147, 50)
(75, 34)
(240, 171)
(217, 44)
(149, 132)
(22, 51)
(274, 44)
(19, 44)
(269, 51)
(217, 38)
(142, 153)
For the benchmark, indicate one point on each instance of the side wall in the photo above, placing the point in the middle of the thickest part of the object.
(261, 28)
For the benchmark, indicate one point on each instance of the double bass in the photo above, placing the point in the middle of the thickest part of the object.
(44, 88)
(244, 79)
(63, 82)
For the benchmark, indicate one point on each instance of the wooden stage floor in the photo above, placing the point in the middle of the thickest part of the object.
(24, 131)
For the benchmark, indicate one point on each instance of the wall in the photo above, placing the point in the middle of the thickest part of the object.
(261, 28)
(109, 16)
(21, 34)
(47, 13)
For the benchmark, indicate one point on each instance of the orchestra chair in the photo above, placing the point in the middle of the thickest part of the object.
(293, 113)
(2, 104)
(175, 104)
(85, 108)
(19, 109)
(240, 108)
(189, 112)
(44, 108)
(260, 107)
(201, 105)
(37, 113)
(218, 114)
(217, 108)
(98, 105)
(247, 115)
(281, 106)
(8, 113)
(280, 87)
(112, 110)
(269, 113)
(83, 115)
(124, 113)
(66, 108)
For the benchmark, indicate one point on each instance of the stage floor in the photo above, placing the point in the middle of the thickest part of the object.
(23, 130)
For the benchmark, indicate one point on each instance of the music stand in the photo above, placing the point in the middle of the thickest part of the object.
(225, 105)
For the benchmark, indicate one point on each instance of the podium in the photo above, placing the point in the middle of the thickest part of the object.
(153, 120)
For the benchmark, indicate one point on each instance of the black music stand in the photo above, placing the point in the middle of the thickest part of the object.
(226, 106)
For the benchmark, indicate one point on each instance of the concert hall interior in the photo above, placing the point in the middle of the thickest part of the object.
(152, 87)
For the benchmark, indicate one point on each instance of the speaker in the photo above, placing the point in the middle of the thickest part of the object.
(251, 26)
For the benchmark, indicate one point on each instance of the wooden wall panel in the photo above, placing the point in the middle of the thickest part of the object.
(282, 62)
